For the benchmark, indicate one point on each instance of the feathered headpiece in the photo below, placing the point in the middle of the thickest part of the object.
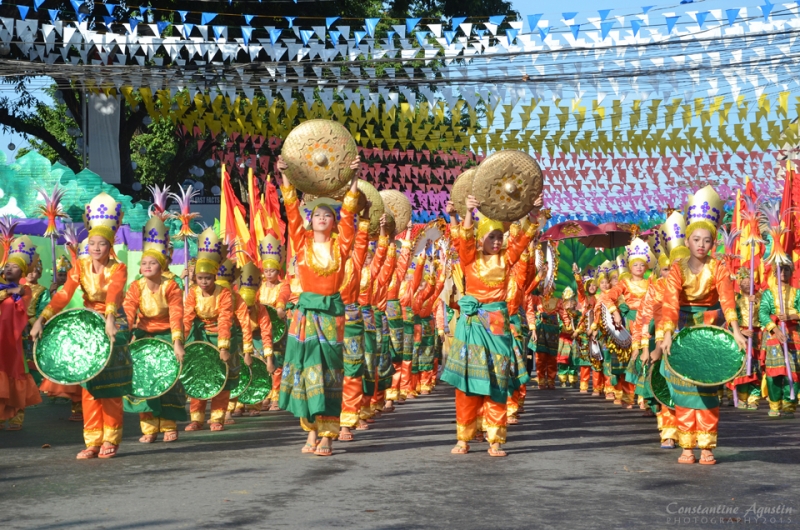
(51, 209)
(159, 206)
(771, 222)
(7, 226)
(73, 240)
(186, 216)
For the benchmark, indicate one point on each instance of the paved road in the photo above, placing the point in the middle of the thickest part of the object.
(575, 462)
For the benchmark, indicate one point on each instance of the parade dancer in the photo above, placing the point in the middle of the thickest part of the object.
(394, 317)
(586, 289)
(423, 307)
(748, 388)
(273, 293)
(385, 366)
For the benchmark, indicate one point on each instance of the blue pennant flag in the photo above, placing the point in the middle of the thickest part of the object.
(671, 22)
(218, 30)
(248, 19)
(183, 15)
(575, 28)
(533, 20)
(359, 35)
(205, 18)
(480, 32)
(273, 35)
(81, 16)
(334, 35)
(53, 14)
(389, 36)
(305, 35)
(37, 4)
(371, 23)
(457, 21)
(291, 21)
(110, 8)
(108, 20)
(645, 9)
(133, 22)
(511, 34)
(329, 21)
(497, 19)
(23, 11)
(732, 14)
(635, 25)
(569, 16)
(421, 38)
(701, 18)
(247, 32)
(605, 27)
(187, 30)
(766, 9)
(76, 5)
(161, 25)
(449, 35)
(411, 23)
(603, 13)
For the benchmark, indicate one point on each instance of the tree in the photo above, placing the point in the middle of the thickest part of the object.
(451, 8)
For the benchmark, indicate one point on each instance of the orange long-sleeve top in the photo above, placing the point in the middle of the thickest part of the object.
(403, 262)
(710, 286)
(269, 294)
(214, 311)
(650, 309)
(242, 313)
(487, 277)
(586, 302)
(355, 265)
(427, 304)
(409, 286)
(535, 305)
(102, 292)
(290, 291)
(155, 311)
(381, 289)
(320, 266)
(370, 275)
(631, 290)
(516, 288)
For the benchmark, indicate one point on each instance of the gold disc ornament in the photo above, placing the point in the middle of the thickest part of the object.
(376, 210)
(396, 202)
(462, 188)
(318, 154)
(506, 184)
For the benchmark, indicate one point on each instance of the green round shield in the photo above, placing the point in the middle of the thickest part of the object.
(260, 384)
(204, 373)
(705, 356)
(278, 325)
(245, 375)
(155, 367)
(658, 385)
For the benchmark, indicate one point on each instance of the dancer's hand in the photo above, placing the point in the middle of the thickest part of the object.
(740, 340)
(747, 333)
(179, 351)
(666, 344)
(111, 327)
(780, 335)
(224, 355)
(36, 330)
(248, 359)
(280, 167)
(656, 354)
(617, 318)
(281, 313)
(575, 269)
(270, 364)
(472, 203)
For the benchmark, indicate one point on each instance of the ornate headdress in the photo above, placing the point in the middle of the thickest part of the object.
(103, 217)
(307, 210)
(225, 273)
(673, 233)
(37, 264)
(249, 282)
(63, 264)
(621, 267)
(743, 274)
(568, 294)
(486, 225)
(604, 270)
(83, 248)
(704, 210)
(271, 251)
(22, 253)
(638, 250)
(664, 261)
(155, 239)
(209, 252)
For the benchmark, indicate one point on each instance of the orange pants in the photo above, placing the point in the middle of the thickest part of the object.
(407, 385)
(152, 425)
(546, 369)
(275, 393)
(102, 420)
(426, 380)
(624, 390)
(697, 427)
(586, 375)
(494, 418)
(523, 391)
(219, 404)
(512, 403)
(394, 391)
(352, 394)
(667, 424)
(598, 382)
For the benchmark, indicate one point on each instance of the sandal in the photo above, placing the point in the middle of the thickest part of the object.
(236, 413)
(708, 459)
(88, 453)
(148, 438)
(217, 426)
(108, 451)
(687, 459)
(274, 407)
(513, 421)
(308, 448)
(346, 436)
(194, 426)
(362, 427)
(774, 414)
(255, 413)
(228, 421)
(752, 406)
(171, 436)
(668, 444)
(496, 452)
(388, 409)
(323, 451)
(460, 449)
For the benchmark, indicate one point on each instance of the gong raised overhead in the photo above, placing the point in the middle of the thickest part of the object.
(398, 204)
(506, 185)
(376, 209)
(462, 188)
(318, 154)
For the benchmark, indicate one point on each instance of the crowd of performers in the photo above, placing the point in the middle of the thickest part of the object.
(372, 326)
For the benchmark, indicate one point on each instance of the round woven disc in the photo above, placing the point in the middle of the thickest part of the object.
(319, 154)
(376, 210)
(391, 225)
(397, 203)
(506, 184)
(462, 188)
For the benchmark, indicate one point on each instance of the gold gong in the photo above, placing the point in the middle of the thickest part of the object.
(506, 184)
(397, 203)
(375, 211)
(391, 227)
(462, 188)
(318, 154)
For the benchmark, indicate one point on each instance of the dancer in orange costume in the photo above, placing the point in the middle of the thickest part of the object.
(522, 271)
(423, 306)
(385, 370)
(394, 317)
(586, 289)
(275, 293)
(408, 290)
(102, 279)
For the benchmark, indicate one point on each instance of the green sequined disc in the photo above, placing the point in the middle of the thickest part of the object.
(74, 347)
(658, 385)
(705, 356)
(260, 385)
(278, 325)
(204, 374)
(245, 374)
(155, 367)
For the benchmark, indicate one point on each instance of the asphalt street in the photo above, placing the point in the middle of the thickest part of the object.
(574, 462)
